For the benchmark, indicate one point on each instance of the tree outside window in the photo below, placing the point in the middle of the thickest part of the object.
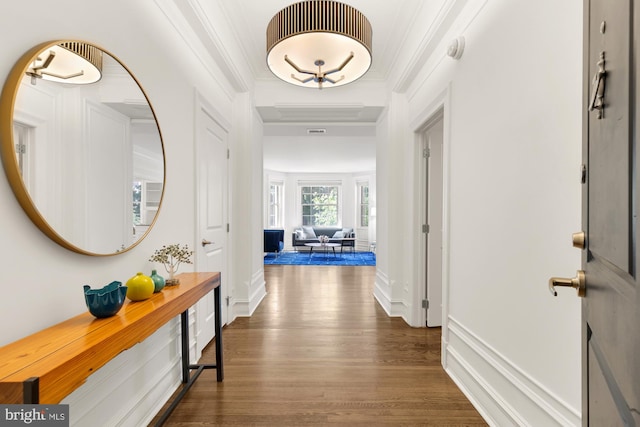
(320, 205)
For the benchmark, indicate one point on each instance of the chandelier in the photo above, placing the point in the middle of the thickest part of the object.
(68, 62)
(318, 42)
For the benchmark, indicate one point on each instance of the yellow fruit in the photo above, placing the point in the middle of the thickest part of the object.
(140, 287)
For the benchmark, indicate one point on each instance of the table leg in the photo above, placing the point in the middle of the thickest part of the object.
(184, 329)
(218, 331)
(31, 390)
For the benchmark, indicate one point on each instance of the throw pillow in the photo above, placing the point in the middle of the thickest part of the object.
(300, 235)
(309, 232)
(347, 232)
(338, 235)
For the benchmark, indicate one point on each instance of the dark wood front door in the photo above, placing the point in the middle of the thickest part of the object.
(611, 308)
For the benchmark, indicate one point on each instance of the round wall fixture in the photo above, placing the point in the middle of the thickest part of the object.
(456, 48)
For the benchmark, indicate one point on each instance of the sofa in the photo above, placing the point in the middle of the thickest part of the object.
(309, 234)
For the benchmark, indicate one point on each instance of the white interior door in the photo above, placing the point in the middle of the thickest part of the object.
(212, 200)
(434, 188)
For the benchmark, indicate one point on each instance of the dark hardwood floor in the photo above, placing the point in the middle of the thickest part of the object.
(319, 350)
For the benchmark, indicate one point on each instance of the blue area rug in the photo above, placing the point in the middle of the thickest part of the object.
(319, 258)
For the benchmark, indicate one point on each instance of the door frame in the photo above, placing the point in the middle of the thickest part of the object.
(428, 182)
(201, 103)
(439, 108)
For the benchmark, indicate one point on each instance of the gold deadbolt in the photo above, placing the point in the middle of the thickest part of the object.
(579, 240)
(579, 283)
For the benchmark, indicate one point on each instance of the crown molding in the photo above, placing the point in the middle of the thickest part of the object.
(407, 70)
(198, 33)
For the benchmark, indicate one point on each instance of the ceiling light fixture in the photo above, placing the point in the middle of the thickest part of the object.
(319, 41)
(68, 62)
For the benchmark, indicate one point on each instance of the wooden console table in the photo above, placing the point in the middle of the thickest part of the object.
(50, 364)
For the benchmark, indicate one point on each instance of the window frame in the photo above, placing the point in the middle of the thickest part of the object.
(338, 203)
(363, 206)
(275, 203)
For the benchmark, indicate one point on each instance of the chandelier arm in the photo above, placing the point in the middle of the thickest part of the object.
(290, 62)
(344, 64)
(293, 76)
(46, 62)
(332, 80)
(60, 76)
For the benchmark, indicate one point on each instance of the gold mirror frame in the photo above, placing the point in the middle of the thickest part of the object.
(10, 163)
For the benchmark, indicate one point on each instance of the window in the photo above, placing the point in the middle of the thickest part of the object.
(275, 217)
(23, 135)
(363, 205)
(137, 203)
(320, 205)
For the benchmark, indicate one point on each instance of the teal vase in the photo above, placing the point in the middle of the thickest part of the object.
(158, 281)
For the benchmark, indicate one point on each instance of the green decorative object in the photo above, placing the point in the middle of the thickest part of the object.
(106, 301)
(140, 287)
(158, 281)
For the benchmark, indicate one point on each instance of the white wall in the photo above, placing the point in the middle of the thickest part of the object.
(41, 281)
(512, 155)
(246, 222)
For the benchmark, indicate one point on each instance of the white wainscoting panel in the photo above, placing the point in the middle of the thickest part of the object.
(502, 393)
(132, 388)
(382, 291)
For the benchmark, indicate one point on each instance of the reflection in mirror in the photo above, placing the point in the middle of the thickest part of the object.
(88, 157)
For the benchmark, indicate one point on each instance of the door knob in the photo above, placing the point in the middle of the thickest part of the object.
(205, 242)
(579, 283)
(579, 240)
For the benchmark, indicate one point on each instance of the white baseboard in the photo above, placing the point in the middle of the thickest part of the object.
(500, 391)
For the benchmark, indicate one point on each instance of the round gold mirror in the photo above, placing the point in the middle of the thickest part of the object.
(81, 147)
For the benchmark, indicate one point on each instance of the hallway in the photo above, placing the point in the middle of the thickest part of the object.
(319, 350)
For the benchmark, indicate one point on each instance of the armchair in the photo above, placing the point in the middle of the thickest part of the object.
(274, 241)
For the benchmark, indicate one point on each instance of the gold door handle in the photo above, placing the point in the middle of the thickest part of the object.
(579, 283)
(206, 242)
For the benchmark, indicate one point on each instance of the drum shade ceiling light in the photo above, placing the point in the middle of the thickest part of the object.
(318, 42)
(68, 62)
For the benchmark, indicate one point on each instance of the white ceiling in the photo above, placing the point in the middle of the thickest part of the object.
(349, 142)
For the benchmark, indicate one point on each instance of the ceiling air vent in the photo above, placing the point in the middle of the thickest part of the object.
(316, 131)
